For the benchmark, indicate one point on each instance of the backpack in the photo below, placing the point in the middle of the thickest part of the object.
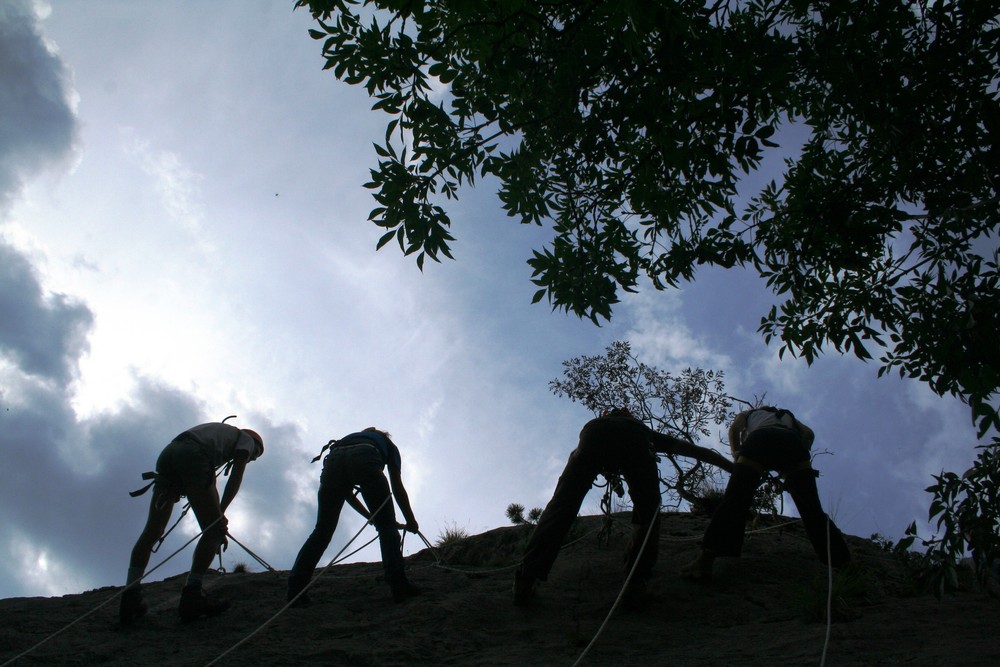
(767, 417)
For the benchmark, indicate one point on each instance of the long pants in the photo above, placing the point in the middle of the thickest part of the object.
(605, 445)
(781, 450)
(344, 468)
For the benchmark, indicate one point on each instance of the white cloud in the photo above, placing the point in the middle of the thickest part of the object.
(178, 186)
(660, 337)
(38, 570)
(38, 128)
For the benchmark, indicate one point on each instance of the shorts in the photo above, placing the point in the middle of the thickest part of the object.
(184, 464)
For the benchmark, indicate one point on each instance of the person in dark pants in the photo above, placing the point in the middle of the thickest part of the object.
(358, 460)
(616, 443)
(765, 439)
(186, 467)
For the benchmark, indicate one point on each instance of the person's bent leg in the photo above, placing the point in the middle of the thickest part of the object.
(131, 606)
(161, 506)
(377, 496)
(644, 541)
(330, 502)
(205, 503)
(724, 535)
(644, 489)
(557, 517)
(801, 485)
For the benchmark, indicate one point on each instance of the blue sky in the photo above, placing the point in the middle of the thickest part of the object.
(183, 237)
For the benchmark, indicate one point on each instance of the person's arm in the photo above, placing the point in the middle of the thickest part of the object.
(403, 500)
(358, 506)
(668, 444)
(235, 478)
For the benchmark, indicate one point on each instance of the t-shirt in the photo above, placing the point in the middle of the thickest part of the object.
(386, 447)
(222, 441)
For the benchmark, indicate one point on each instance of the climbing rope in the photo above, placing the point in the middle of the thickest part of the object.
(301, 592)
(110, 599)
(621, 594)
(829, 596)
(252, 554)
(160, 540)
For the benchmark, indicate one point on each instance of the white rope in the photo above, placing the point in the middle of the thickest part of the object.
(252, 554)
(829, 596)
(632, 571)
(774, 527)
(301, 592)
(346, 556)
(621, 594)
(110, 599)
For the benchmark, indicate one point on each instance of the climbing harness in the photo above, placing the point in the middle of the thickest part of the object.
(323, 451)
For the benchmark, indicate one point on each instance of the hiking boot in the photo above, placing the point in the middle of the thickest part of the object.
(405, 591)
(524, 588)
(132, 607)
(195, 604)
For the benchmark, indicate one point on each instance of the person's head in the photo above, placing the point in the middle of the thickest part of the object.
(378, 430)
(257, 439)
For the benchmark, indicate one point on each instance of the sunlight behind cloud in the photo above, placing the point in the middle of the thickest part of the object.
(178, 187)
(39, 571)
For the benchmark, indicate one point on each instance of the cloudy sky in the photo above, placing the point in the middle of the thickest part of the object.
(183, 237)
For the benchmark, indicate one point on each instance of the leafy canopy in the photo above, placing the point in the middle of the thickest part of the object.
(634, 130)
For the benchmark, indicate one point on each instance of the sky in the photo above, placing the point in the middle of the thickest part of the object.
(183, 237)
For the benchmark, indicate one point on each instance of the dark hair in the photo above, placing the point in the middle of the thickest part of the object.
(378, 430)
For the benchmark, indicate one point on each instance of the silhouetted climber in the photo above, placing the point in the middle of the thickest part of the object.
(358, 460)
(765, 439)
(616, 443)
(186, 467)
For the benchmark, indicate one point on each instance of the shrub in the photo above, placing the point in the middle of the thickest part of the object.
(851, 586)
(451, 535)
(515, 513)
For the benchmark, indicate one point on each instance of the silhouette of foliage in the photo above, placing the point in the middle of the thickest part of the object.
(515, 513)
(687, 404)
(451, 535)
(636, 131)
(967, 509)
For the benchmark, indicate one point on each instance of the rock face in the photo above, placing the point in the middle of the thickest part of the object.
(767, 608)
